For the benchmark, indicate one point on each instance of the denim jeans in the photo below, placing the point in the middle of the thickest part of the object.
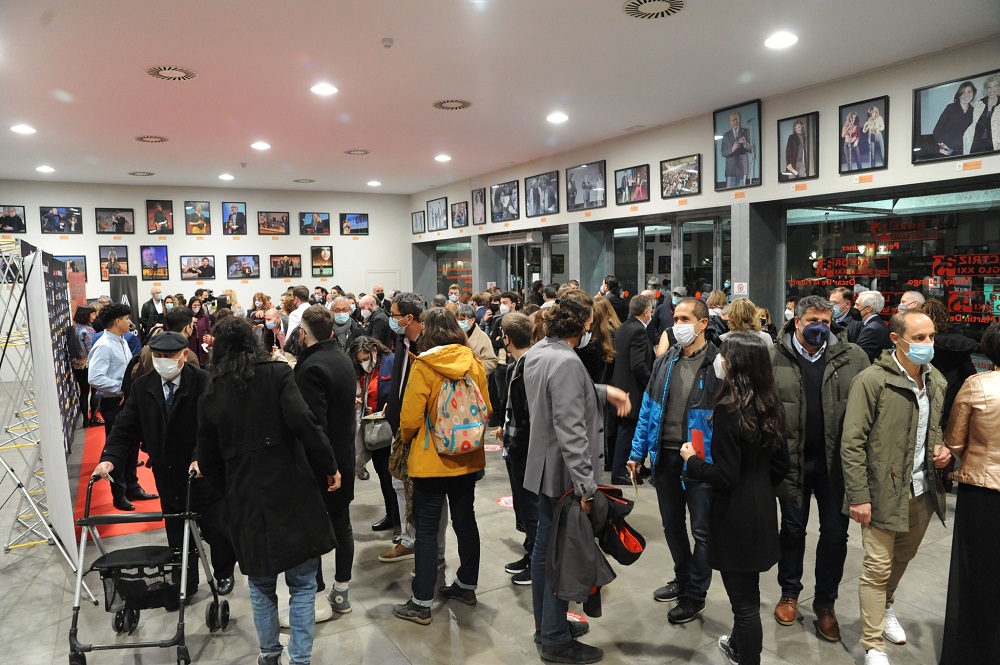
(691, 568)
(550, 612)
(525, 501)
(301, 581)
(428, 501)
(623, 446)
(831, 551)
(744, 597)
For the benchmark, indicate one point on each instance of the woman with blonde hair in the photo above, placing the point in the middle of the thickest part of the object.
(851, 134)
(716, 302)
(238, 309)
(743, 318)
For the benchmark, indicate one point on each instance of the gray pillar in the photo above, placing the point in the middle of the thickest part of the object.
(589, 255)
(487, 264)
(424, 261)
(758, 254)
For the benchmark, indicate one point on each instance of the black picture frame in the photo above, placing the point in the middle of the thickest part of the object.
(115, 221)
(286, 266)
(322, 260)
(234, 218)
(632, 185)
(198, 218)
(460, 215)
(478, 197)
(74, 262)
(738, 154)
(273, 223)
(194, 267)
(242, 266)
(159, 217)
(680, 177)
(314, 223)
(12, 219)
(586, 186)
(154, 265)
(541, 194)
(353, 223)
(798, 152)
(418, 222)
(938, 119)
(437, 214)
(857, 142)
(61, 219)
(113, 260)
(505, 201)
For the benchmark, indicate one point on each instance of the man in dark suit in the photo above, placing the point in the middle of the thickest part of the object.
(236, 223)
(871, 333)
(151, 313)
(162, 411)
(611, 289)
(633, 362)
(844, 310)
(376, 321)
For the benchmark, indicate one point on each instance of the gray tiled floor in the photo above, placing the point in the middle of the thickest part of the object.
(36, 592)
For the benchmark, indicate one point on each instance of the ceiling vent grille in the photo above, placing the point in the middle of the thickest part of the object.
(141, 174)
(651, 9)
(358, 152)
(452, 104)
(303, 181)
(148, 138)
(171, 73)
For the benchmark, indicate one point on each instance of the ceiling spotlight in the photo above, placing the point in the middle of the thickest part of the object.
(23, 129)
(780, 40)
(443, 158)
(324, 89)
(557, 117)
(260, 145)
(226, 176)
(45, 169)
(374, 183)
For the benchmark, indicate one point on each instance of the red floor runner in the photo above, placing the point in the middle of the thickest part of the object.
(100, 502)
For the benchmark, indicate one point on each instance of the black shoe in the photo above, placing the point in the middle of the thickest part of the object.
(410, 611)
(139, 494)
(577, 629)
(522, 578)
(685, 610)
(121, 503)
(363, 474)
(519, 565)
(383, 524)
(95, 422)
(571, 652)
(225, 585)
(728, 649)
(624, 480)
(670, 592)
(519, 525)
(467, 596)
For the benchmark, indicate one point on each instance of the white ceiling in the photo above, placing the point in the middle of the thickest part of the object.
(75, 70)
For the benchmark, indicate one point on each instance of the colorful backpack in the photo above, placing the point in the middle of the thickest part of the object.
(459, 424)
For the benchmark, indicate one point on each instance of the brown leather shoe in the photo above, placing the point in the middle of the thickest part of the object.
(826, 623)
(786, 611)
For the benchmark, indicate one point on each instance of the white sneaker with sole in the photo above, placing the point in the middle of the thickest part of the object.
(874, 657)
(323, 612)
(893, 631)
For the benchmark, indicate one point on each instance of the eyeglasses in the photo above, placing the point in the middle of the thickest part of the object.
(397, 316)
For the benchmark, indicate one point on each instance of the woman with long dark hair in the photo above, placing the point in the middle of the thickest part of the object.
(81, 339)
(749, 459)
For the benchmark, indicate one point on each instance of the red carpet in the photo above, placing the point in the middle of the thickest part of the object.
(100, 502)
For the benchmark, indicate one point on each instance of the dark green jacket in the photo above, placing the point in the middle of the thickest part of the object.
(844, 361)
(878, 443)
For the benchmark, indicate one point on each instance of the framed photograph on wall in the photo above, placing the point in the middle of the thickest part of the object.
(585, 186)
(632, 185)
(864, 135)
(950, 119)
(353, 224)
(798, 147)
(437, 214)
(417, 224)
(159, 217)
(113, 259)
(505, 202)
(286, 265)
(680, 177)
(479, 206)
(115, 221)
(153, 265)
(541, 194)
(57, 219)
(243, 266)
(75, 263)
(314, 223)
(272, 223)
(197, 218)
(736, 130)
(322, 261)
(198, 267)
(12, 219)
(235, 222)
(459, 214)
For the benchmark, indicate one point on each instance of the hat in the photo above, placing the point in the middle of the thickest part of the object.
(168, 342)
(681, 291)
(653, 282)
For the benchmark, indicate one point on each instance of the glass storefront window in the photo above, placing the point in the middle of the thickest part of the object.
(626, 253)
(658, 245)
(454, 265)
(699, 255)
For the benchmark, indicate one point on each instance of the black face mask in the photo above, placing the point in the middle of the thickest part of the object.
(380, 296)
(494, 307)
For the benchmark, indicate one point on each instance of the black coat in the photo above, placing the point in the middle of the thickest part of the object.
(325, 376)
(633, 362)
(743, 527)
(663, 318)
(377, 326)
(619, 305)
(267, 447)
(148, 317)
(397, 385)
(873, 336)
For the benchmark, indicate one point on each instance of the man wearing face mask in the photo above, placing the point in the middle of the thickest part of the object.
(179, 320)
(844, 310)
(911, 300)
(162, 411)
(663, 317)
(275, 329)
(813, 370)
(151, 313)
(891, 445)
(508, 303)
(345, 328)
(634, 360)
(478, 340)
(680, 398)
(376, 321)
(454, 293)
(870, 333)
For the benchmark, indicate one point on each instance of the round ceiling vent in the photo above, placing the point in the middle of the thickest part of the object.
(141, 174)
(171, 73)
(358, 152)
(452, 104)
(148, 138)
(650, 9)
(303, 181)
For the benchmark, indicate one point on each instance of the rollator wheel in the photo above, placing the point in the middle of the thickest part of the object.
(223, 614)
(183, 657)
(118, 622)
(212, 616)
(77, 659)
(131, 621)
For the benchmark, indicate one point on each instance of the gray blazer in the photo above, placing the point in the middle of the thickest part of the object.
(566, 445)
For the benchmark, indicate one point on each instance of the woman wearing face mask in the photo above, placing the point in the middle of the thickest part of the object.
(743, 318)
(599, 355)
(256, 315)
(790, 304)
(202, 326)
(479, 342)
(355, 312)
(749, 459)
(168, 303)
(764, 316)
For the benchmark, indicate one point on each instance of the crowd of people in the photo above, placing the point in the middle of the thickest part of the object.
(739, 424)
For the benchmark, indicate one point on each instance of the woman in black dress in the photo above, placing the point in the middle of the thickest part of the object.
(749, 460)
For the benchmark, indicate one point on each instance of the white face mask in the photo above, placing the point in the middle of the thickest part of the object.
(368, 365)
(365, 313)
(584, 339)
(258, 303)
(789, 315)
(166, 368)
(504, 309)
(684, 334)
(720, 371)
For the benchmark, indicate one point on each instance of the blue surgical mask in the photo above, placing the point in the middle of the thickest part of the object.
(394, 325)
(816, 333)
(919, 354)
(464, 325)
(271, 325)
(354, 308)
(453, 297)
(341, 318)
(169, 306)
(675, 300)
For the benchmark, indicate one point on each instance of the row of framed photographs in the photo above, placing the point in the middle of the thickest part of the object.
(197, 220)
(153, 264)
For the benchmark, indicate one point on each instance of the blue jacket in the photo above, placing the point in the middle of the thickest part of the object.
(700, 404)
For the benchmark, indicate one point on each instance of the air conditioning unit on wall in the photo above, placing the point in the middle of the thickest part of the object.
(518, 238)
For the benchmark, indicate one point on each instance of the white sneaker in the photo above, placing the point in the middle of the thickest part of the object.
(323, 612)
(893, 631)
(874, 657)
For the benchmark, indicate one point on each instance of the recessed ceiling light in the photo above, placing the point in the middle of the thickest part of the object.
(324, 89)
(45, 169)
(23, 129)
(260, 145)
(781, 39)
(226, 176)
(443, 158)
(374, 183)
(557, 117)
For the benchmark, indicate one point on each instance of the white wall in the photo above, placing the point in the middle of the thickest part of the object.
(354, 257)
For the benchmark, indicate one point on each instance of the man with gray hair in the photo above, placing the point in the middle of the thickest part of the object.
(345, 328)
(871, 333)
(911, 300)
(374, 320)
